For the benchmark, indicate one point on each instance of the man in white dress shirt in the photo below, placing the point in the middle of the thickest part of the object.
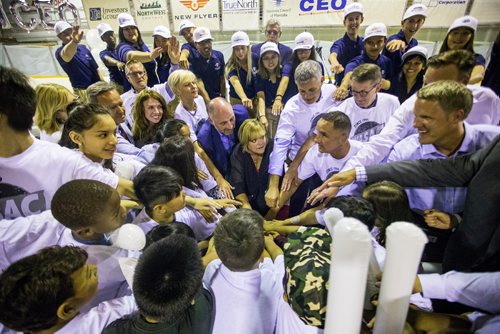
(296, 120)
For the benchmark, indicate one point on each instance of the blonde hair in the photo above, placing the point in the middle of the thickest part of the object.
(50, 98)
(179, 78)
(450, 95)
(141, 130)
(232, 64)
(249, 130)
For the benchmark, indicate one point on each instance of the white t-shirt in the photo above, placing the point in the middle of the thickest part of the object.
(201, 227)
(246, 302)
(194, 120)
(29, 180)
(296, 119)
(164, 91)
(209, 183)
(55, 137)
(486, 106)
(25, 236)
(323, 163)
(368, 122)
(97, 318)
(126, 166)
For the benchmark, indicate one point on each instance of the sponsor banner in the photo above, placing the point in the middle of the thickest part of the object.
(441, 13)
(150, 13)
(99, 11)
(308, 13)
(304, 13)
(235, 12)
(486, 11)
(203, 13)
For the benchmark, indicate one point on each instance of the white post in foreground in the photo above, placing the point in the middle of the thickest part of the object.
(351, 249)
(405, 244)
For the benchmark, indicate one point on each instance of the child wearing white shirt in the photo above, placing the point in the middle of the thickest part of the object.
(45, 292)
(84, 212)
(246, 290)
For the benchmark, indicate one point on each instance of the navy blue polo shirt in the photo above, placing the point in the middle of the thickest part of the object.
(285, 52)
(242, 76)
(382, 61)
(163, 70)
(399, 88)
(479, 59)
(114, 74)
(124, 48)
(81, 69)
(193, 51)
(346, 49)
(396, 56)
(210, 71)
(270, 89)
(292, 88)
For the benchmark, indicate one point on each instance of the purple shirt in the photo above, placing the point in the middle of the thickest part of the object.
(81, 69)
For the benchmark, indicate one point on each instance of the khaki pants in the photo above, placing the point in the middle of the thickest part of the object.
(273, 123)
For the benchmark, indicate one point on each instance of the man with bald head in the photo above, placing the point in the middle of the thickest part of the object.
(219, 135)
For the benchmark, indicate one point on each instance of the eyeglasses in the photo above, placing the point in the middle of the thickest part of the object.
(363, 93)
(139, 74)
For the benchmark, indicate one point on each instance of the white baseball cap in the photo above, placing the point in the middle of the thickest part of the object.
(354, 7)
(240, 38)
(376, 29)
(61, 26)
(186, 24)
(162, 31)
(304, 41)
(414, 10)
(103, 28)
(201, 34)
(416, 50)
(464, 21)
(269, 46)
(126, 20)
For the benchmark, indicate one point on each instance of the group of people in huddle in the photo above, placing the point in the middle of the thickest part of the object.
(232, 189)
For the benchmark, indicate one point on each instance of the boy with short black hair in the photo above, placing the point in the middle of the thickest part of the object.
(246, 290)
(159, 188)
(86, 212)
(45, 292)
(169, 293)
